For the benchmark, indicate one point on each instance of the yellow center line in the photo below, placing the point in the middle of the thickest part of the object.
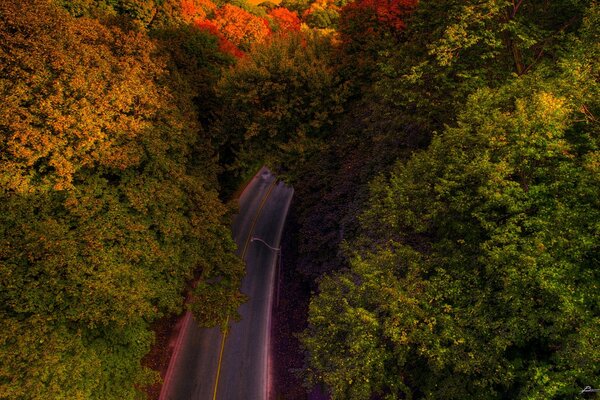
(260, 207)
(262, 204)
(220, 359)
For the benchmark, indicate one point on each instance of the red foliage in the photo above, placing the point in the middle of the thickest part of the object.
(208, 26)
(224, 45)
(370, 16)
(285, 19)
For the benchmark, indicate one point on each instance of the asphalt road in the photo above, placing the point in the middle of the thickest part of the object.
(241, 361)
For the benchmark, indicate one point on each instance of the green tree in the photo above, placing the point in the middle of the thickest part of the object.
(478, 270)
(284, 97)
(323, 18)
(145, 14)
(452, 48)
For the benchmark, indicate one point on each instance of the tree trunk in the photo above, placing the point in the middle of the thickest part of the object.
(511, 45)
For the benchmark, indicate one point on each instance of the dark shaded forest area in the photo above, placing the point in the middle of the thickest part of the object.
(445, 160)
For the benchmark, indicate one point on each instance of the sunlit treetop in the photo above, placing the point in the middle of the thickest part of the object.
(284, 19)
(84, 106)
(197, 10)
(240, 27)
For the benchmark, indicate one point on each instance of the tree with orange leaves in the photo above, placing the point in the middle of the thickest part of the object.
(196, 10)
(108, 203)
(284, 19)
(240, 27)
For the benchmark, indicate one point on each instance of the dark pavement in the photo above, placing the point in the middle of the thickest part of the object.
(244, 370)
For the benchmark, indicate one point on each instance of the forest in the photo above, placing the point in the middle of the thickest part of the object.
(446, 164)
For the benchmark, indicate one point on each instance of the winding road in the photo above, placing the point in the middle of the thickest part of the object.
(207, 365)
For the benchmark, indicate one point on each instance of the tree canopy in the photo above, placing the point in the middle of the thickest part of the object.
(445, 160)
(476, 275)
(108, 204)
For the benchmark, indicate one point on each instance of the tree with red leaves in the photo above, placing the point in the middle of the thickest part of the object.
(368, 27)
(285, 20)
(368, 17)
(224, 44)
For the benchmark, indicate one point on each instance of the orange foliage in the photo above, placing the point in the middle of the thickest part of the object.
(108, 200)
(81, 103)
(240, 27)
(285, 19)
(196, 10)
(236, 28)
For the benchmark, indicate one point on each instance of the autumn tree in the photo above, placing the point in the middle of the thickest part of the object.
(370, 31)
(108, 204)
(322, 18)
(284, 20)
(144, 14)
(299, 6)
(240, 27)
(368, 17)
(197, 10)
